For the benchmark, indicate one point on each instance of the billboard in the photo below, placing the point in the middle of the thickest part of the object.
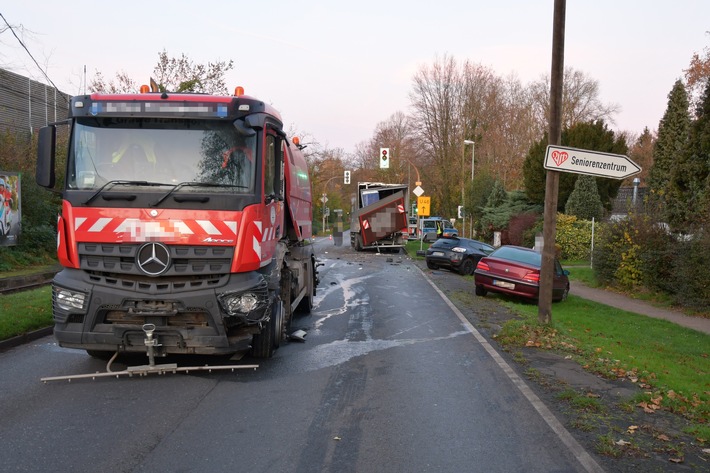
(9, 208)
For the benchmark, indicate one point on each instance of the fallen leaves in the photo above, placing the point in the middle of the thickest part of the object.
(652, 406)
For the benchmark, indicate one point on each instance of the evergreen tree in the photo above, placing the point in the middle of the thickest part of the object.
(673, 132)
(584, 201)
(533, 171)
(498, 196)
(588, 135)
(689, 184)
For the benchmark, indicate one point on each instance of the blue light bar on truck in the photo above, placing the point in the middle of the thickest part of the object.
(182, 109)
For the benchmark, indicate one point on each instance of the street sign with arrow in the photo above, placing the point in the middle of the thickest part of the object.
(593, 163)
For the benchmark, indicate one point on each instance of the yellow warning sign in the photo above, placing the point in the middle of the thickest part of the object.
(423, 204)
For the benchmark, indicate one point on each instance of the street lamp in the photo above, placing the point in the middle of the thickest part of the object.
(463, 154)
(473, 153)
(637, 181)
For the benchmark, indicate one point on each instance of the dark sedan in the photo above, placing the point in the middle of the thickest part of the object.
(456, 254)
(515, 271)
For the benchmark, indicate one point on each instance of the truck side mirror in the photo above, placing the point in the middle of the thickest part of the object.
(46, 149)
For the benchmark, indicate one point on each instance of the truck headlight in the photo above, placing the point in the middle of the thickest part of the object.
(66, 299)
(241, 303)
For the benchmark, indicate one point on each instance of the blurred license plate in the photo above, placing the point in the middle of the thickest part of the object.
(437, 253)
(503, 284)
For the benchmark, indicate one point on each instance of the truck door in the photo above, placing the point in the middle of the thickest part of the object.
(273, 190)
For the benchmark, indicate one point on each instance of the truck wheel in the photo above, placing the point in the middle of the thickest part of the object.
(265, 343)
(358, 243)
(306, 303)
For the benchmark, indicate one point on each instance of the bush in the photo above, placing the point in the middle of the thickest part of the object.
(40, 207)
(519, 229)
(657, 255)
(691, 288)
(574, 237)
(639, 252)
(617, 254)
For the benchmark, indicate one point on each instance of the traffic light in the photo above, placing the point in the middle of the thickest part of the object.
(346, 177)
(384, 158)
(460, 211)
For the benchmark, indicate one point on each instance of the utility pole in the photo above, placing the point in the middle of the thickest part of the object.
(544, 307)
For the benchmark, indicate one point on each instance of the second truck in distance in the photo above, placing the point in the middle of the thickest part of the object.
(379, 216)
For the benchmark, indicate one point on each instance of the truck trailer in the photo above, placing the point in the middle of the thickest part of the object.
(379, 216)
(184, 215)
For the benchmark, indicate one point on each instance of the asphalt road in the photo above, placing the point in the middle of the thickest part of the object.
(389, 379)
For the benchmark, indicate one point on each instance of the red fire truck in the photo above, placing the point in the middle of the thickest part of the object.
(184, 215)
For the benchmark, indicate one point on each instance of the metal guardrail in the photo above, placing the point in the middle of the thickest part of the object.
(27, 282)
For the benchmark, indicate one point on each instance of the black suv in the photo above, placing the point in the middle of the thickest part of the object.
(457, 254)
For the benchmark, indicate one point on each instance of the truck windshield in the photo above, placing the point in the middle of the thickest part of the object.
(169, 151)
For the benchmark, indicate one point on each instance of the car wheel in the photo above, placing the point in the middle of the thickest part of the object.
(431, 265)
(467, 267)
(564, 295)
(480, 290)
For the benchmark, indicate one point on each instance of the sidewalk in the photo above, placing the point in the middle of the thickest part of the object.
(639, 307)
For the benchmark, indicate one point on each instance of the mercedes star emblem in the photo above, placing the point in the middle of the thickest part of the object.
(153, 258)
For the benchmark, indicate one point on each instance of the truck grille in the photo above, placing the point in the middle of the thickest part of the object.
(191, 268)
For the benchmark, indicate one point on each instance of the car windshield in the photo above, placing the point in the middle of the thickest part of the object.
(521, 256)
(484, 247)
(169, 151)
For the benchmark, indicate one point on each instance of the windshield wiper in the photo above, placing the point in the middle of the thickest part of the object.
(191, 184)
(113, 183)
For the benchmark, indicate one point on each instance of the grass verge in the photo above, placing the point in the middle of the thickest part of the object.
(670, 363)
(412, 246)
(25, 311)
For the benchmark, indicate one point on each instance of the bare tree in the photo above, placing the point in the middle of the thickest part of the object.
(508, 130)
(641, 152)
(183, 75)
(121, 84)
(697, 73)
(437, 100)
(171, 74)
(580, 101)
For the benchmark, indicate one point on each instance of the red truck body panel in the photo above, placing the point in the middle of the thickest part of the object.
(379, 219)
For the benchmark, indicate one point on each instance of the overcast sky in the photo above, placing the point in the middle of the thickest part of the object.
(335, 69)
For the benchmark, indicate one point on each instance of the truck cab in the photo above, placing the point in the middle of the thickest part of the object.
(188, 213)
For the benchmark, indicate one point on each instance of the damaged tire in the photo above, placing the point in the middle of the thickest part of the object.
(306, 304)
(264, 344)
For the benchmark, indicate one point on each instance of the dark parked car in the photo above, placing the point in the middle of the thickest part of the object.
(516, 271)
(456, 254)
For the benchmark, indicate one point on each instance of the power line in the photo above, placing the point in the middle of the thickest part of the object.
(28, 51)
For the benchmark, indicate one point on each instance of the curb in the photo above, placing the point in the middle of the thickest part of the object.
(25, 338)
